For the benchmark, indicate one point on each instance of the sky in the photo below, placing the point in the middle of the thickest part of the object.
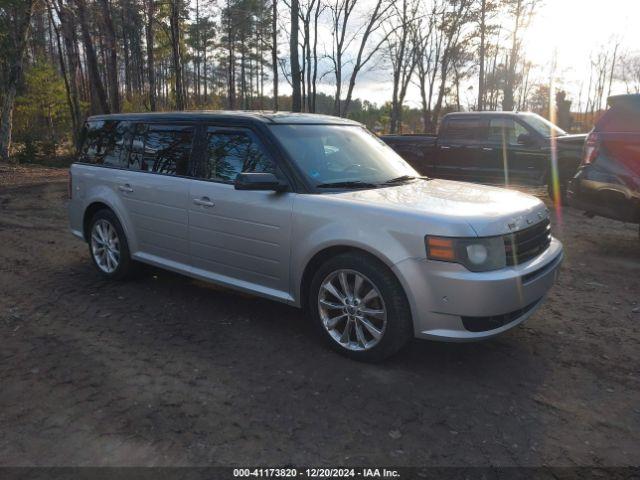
(572, 28)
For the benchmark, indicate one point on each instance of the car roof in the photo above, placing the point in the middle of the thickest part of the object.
(487, 112)
(273, 118)
(631, 98)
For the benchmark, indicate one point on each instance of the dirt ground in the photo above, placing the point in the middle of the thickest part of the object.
(165, 370)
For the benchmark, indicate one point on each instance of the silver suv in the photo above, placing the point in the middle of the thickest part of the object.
(316, 212)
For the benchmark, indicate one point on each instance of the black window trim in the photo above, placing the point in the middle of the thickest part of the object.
(185, 123)
(483, 123)
(213, 126)
(185, 126)
(284, 164)
(517, 120)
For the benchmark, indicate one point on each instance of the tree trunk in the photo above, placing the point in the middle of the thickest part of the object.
(68, 35)
(274, 52)
(63, 69)
(174, 21)
(112, 56)
(97, 87)
(296, 96)
(15, 72)
(314, 80)
(151, 66)
(509, 84)
(481, 54)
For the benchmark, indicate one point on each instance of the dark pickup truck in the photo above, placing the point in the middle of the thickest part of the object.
(499, 148)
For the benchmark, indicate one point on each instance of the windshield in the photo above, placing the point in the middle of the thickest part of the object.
(341, 156)
(544, 127)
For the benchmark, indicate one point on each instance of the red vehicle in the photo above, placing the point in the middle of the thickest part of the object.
(608, 179)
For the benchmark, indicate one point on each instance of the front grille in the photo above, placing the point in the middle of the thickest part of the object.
(526, 244)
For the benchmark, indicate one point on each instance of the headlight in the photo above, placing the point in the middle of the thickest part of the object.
(477, 254)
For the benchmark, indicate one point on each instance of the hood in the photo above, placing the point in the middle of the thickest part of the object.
(488, 210)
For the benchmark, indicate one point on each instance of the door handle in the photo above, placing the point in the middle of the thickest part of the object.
(445, 147)
(125, 188)
(204, 202)
(487, 149)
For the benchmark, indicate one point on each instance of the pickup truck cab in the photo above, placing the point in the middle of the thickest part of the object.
(498, 148)
(318, 213)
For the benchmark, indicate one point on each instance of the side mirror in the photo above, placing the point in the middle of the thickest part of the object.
(260, 181)
(525, 139)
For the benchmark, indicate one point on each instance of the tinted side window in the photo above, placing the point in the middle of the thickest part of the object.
(136, 146)
(505, 129)
(229, 153)
(103, 143)
(163, 149)
(465, 129)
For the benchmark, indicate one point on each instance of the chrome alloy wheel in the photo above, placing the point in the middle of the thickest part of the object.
(352, 310)
(105, 246)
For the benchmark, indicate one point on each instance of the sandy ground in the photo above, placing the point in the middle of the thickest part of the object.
(165, 370)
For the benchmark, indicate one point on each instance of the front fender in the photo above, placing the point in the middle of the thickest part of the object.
(308, 241)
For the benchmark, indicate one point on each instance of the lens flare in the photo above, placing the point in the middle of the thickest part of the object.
(555, 177)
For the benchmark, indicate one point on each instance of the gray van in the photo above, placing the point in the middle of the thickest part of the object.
(316, 212)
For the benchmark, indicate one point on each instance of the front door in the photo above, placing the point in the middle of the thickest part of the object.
(238, 237)
(520, 163)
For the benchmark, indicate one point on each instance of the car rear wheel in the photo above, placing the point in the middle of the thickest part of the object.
(360, 308)
(108, 246)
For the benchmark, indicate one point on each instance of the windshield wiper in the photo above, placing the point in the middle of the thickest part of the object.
(348, 184)
(405, 178)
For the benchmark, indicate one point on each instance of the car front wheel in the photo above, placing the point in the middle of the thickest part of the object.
(360, 307)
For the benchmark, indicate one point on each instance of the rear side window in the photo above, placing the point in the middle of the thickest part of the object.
(465, 129)
(621, 118)
(104, 143)
(167, 149)
(230, 153)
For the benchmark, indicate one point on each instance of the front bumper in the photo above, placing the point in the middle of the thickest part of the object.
(450, 303)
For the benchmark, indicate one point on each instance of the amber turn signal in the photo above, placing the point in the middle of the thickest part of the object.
(440, 249)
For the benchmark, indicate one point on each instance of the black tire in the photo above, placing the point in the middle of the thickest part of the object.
(126, 266)
(399, 325)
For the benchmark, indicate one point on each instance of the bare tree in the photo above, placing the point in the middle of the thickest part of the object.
(487, 10)
(628, 71)
(453, 18)
(345, 33)
(428, 44)
(274, 52)
(176, 52)
(151, 64)
(98, 94)
(296, 77)
(403, 54)
(522, 12)
(112, 56)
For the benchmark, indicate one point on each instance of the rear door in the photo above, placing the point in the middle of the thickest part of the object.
(238, 237)
(156, 190)
(461, 151)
